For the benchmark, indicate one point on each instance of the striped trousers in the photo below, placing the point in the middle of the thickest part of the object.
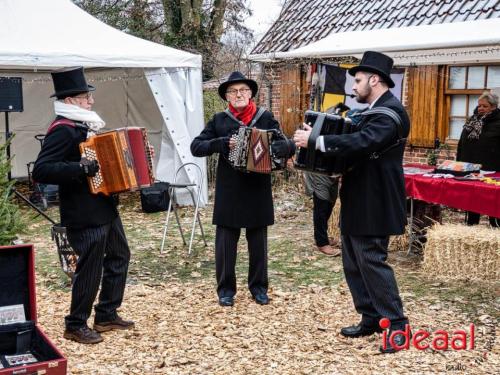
(103, 252)
(371, 280)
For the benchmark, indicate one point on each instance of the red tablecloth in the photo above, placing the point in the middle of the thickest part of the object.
(472, 196)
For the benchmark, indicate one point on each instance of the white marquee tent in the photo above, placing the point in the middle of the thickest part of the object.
(139, 83)
(448, 43)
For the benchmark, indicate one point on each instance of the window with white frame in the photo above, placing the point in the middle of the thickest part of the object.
(465, 85)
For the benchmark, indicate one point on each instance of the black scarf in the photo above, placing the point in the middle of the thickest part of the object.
(475, 123)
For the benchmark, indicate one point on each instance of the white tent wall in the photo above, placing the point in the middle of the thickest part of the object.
(180, 89)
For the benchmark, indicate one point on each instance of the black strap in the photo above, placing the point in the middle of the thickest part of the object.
(260, 112)
(311, 143)
(399, 127)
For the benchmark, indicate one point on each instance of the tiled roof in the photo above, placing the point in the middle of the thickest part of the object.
(302, 22)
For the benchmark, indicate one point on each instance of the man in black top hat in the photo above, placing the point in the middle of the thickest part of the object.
(372, 196)
(242, 200)
(92, 221)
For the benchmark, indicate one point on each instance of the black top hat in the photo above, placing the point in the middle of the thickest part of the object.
(375, 62)
(70, 83)
(237, 77)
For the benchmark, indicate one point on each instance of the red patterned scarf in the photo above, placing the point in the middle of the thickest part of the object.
(247, 114)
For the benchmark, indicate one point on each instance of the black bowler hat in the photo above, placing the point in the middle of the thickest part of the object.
(237, 77)
(70, 83)
(375, 62)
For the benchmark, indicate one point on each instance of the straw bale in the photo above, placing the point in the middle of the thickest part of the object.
(456, 251)
(399, 243)
(333, 223)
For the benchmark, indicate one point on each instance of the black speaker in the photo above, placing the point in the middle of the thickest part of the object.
(11, 94)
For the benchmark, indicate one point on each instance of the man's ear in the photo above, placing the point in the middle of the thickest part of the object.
(67, 100)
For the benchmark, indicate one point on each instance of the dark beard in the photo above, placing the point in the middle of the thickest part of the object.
(361, 99)
(364, 99)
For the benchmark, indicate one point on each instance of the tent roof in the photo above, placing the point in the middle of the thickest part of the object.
(459, 42)
(57, 33)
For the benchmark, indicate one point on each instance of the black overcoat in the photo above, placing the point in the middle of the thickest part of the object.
(58, 163)
(486, 149)
(242, 200)
(373, 193)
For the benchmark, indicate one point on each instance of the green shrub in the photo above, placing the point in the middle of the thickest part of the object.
(9, 215)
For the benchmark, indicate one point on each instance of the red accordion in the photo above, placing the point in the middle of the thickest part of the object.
(125, 160)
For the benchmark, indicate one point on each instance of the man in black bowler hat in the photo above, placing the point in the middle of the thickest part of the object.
(92, 221)
(242, 200)
(372, 196)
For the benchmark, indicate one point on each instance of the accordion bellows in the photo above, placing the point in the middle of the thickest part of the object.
(311, 160)
(125, 160)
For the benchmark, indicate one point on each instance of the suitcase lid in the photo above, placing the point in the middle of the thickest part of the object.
(17, 278)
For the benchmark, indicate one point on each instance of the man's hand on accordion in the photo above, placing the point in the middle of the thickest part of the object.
(301, 136)
(220, 145)
(89, 167)
(281, 148)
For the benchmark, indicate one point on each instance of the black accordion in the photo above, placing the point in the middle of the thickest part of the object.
(311, 160)
(253, 151)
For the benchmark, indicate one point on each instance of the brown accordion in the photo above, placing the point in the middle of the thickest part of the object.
(312, 160)
(253, 152)
(125, 160)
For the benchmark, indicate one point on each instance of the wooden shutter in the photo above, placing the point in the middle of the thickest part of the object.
(425, 105)
(293, 98)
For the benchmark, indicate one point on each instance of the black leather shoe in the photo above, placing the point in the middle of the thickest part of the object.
(261, 299)
(226, 301)
(359, 330)
(399, 340)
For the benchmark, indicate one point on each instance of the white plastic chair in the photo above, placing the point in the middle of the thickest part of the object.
(190, 187)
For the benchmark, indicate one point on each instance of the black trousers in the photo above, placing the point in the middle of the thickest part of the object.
(226, 243)
(98, 248)
(472, 218)
(371, 280)
(322, 209)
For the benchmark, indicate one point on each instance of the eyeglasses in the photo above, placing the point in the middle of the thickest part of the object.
(234, 92)
(87, 96)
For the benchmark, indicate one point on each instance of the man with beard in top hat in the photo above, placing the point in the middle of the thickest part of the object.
(372, 197)
(242, 200)
(93, 225)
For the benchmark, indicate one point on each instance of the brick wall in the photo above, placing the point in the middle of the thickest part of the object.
(420, 154)
(270, 89)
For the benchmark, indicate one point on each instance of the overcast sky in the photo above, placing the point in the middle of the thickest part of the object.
(265, 12)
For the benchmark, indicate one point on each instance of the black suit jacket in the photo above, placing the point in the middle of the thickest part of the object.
(373, 193)
(242, 200)
(58, 164)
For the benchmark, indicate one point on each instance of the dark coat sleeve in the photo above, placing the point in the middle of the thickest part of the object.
(287, 146)
(208, 143)
(378, 133)
(460, 147)
(52, 165)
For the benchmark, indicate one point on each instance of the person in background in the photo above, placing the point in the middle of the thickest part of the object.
(324, 191)
(242, 200)
(92, 221)
(480, 143)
